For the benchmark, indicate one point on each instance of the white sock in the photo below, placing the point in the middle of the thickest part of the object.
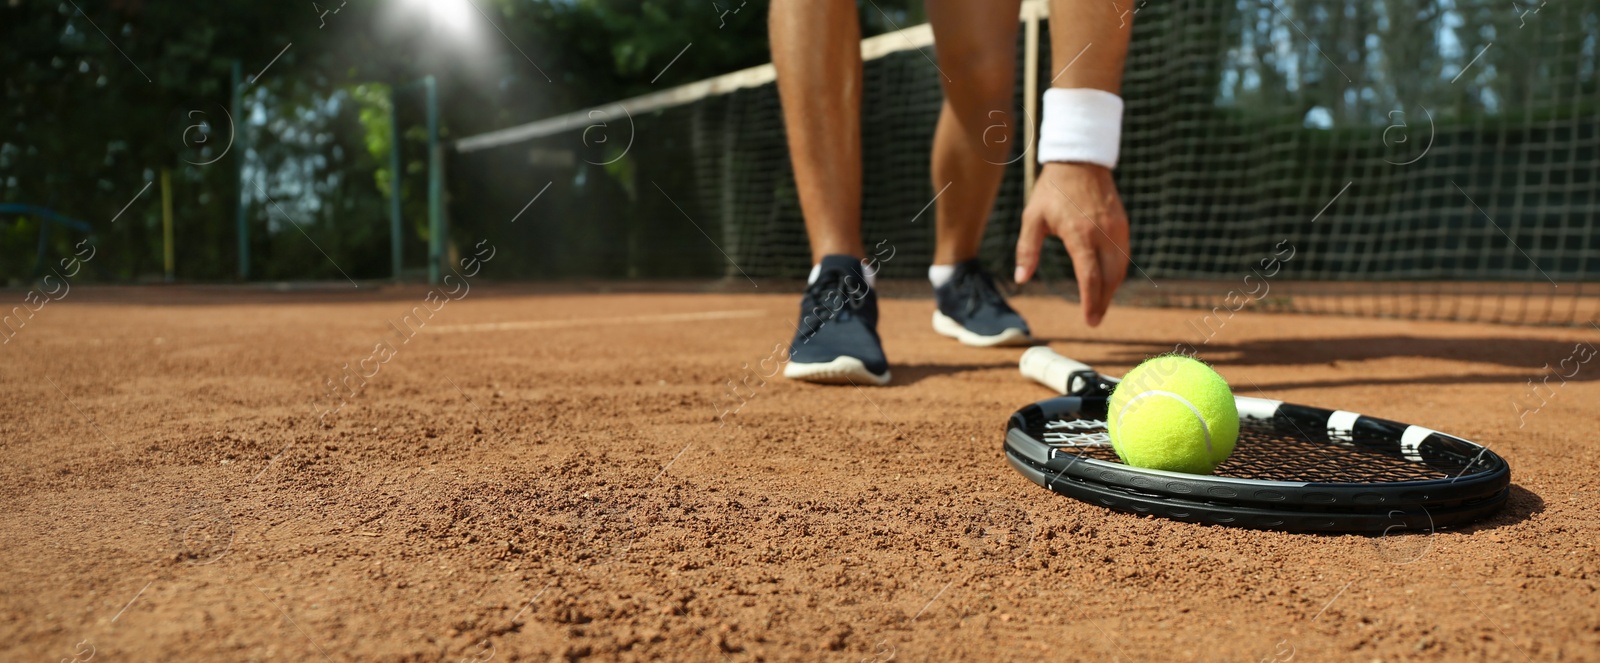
(872, 275)
(939, 275)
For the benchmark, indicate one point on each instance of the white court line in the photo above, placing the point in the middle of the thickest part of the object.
(582, 322)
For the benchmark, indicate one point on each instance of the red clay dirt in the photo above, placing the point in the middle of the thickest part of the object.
(541, 476)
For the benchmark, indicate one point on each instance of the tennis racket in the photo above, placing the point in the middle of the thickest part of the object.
(1294, 467)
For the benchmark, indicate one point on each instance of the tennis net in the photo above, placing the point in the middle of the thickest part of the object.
(1422, 160)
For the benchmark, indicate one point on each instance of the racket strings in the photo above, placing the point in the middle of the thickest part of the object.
(1267, 452)
(1076, 433)
(1278, 450)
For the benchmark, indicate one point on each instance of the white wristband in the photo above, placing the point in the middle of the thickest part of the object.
(1080, 124)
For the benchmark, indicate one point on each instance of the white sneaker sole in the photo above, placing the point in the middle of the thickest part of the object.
(843, 370)
(947, 326)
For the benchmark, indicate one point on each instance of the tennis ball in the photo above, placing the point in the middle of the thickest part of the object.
(1173, 413)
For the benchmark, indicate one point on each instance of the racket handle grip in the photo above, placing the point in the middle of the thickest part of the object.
(1043, 365)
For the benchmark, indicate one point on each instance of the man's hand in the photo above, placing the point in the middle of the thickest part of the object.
(1078, 203)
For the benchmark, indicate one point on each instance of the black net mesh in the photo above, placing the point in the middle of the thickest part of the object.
(1416, 159)
(1281, 450)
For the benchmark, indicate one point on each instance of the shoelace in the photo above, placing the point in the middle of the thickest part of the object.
(833, 294)
(978, 288)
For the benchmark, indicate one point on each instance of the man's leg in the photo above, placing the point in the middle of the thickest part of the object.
(977, 47)
(816, 48)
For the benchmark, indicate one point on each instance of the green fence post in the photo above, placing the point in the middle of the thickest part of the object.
(435, 186)
(238, 137)
(169, 260)
(394, 181)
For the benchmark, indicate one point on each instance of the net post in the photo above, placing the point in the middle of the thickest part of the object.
(435, 229)
(394, 182)
(240, 221)
(1030, 91)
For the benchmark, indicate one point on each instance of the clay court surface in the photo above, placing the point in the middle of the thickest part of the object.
(542, 475)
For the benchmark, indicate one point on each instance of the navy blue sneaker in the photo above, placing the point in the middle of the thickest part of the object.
(972, 310)
(837, 341)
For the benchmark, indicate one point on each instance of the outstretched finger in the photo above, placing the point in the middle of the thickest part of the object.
(1114, 269)
(1091, 284)
(1029, 241)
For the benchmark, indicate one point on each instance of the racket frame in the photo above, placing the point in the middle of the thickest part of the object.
(1493, 478)
(1393, 519)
